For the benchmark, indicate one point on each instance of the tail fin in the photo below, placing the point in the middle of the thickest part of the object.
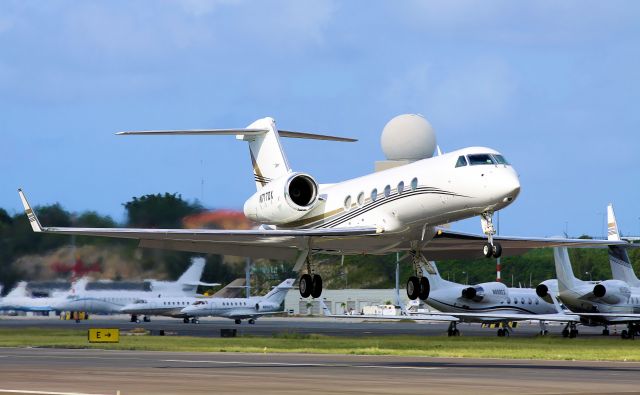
(79, 286)
(190, 279)
(19, 291)
(267, 156)
(618, 257)
(430, 271)
(278, 294)
(564, 271)
(235, 289)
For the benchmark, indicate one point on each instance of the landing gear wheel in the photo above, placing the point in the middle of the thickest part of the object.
(195, 320)
(573, 333)
(605, 332)
(238, 322)
(134, 318)
(496, 250)
(455, 333)
(185, 320)
(500, 332)
(146, 319)
(316, 286)
(251, 321)
(565, 332)
(487, 250)
(424, 289)
(413, 288)
(305, 286)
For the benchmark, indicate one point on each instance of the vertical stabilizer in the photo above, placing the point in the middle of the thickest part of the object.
(430, 271)
(564, 271)
(621, 268)
(267, 156)
(278, 294)
(190, 279)
(20, 291)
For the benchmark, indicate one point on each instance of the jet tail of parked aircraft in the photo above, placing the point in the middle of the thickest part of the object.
(190, 279)
(430, 271)
(19, 291)
(618, 257)
(564, 271)
(277, 294)
(267, 156)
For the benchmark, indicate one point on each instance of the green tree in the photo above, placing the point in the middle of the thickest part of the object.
(159, 211)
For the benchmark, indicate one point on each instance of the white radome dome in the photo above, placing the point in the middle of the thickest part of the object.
(408, 137)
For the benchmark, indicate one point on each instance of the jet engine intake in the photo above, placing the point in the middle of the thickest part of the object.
(612, 291)
(283, 200)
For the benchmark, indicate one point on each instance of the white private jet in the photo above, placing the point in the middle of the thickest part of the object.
(171, 306)
(398, 209)
(491, 302)
(20, 300)
(621, 267)
(112, 301)
(238, 309)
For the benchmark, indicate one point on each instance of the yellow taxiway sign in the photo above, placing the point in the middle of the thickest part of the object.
(104, 335)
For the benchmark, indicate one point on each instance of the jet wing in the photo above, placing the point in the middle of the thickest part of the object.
(259, 243)
(417, 317)
(613, 317)
(449, 244)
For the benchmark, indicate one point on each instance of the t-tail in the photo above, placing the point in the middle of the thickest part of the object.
(621, 268)
(564, 272)
(190, 279)
(277, 294)
(267, 156)
(430, 271)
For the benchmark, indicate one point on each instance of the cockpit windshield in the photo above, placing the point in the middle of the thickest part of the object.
(199, 302)
(500, 159)
(481, 159)
(140, 301)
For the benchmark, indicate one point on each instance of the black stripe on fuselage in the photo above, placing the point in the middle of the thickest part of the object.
(346, 216)
(483, 309)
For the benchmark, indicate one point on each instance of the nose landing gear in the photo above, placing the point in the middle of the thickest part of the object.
(490, 249)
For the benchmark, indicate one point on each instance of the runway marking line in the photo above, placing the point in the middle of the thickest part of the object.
(311, 364)
(43, 392)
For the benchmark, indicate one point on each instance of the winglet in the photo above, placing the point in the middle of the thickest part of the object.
(35, 224)
(612, 225)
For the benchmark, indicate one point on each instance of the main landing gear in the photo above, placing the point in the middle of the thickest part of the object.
(134, 318)
(490, 249)
(310, 283)
(570, 330)
(503, 332)
(631, 332)
(453, 329)
(417, 286)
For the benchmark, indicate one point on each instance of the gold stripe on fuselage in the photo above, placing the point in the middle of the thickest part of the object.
(306, 221)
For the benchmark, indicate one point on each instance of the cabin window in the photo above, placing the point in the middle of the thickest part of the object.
(537, 301)
(414, 184)
(361, 199)
(347, 202)
(374, 194)
(508, 300)
(500, 159)
(522, 300)
(462, 161)
(515, 300)
(400, 187)
(529, 300)
(481, 159)
(387, 191)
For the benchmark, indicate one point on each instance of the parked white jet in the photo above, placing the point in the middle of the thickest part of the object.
(491, 302)
(242, 308)
(621, 267)
(20, 300)
(112, 301)
(604, 303)
(171, 306)
(398, 209)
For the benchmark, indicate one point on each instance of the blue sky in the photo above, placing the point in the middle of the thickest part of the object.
(553, 85)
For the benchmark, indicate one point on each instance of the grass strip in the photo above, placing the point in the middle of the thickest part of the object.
(548, 347)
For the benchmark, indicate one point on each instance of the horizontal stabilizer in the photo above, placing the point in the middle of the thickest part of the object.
(235, 132)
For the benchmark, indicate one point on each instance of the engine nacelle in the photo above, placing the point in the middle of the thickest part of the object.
(283, 200)
(266, 306)
(486, 292)
(546, 288)
(612, 291)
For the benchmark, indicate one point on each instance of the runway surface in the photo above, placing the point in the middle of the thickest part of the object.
(268, 326)
(135, 372)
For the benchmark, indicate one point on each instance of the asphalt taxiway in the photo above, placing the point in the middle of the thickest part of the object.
(269, 326)
(136, 372)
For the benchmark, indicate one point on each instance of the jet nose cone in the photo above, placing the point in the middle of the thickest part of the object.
(188, 310)
(511, 188)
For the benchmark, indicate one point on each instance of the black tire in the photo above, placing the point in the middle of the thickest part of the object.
(146, 319)
(573, 334)
(605, 332)
(305, 286)
(424, 289)
(185, 320)
(456, 332)
(497, 250)
(500, 332)
(565, 333)
(316, 286)
(251, 321)
(487, 250)
(238, 322)
(413, 288)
